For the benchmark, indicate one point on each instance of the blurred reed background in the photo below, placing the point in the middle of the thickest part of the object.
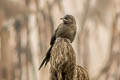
(26, 27)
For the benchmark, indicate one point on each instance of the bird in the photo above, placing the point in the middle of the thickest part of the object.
(66, 29)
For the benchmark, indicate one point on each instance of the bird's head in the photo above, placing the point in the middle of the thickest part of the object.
(68, 19)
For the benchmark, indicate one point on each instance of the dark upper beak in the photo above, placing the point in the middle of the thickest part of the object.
(63, 19)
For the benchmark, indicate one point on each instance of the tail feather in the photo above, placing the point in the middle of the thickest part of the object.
(42, 63)
(46, 59)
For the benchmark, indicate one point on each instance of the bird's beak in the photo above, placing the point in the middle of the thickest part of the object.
(63, 19)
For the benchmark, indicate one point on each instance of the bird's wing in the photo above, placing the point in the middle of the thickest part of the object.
(54, 36)
(60, 30)
(47, 57)
(53, 39)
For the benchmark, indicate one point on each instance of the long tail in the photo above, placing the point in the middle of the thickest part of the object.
(46, 59)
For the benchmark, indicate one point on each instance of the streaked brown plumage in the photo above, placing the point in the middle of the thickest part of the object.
(67, 29)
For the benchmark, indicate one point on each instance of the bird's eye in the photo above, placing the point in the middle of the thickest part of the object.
(66, 18)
